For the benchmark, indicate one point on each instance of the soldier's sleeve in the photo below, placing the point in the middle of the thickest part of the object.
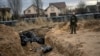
(70, 19)
(76, 19)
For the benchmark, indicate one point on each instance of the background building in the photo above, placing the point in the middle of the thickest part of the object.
(56, 9)
(31, 12)
(5, 13)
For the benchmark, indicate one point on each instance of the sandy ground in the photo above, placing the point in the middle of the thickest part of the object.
(10, 42)
(85, 43)
(87, 38)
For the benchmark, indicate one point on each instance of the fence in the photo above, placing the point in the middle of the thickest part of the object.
(9, 22)
(61, 18)
(54, 19)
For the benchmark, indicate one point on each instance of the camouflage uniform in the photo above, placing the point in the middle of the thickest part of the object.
(73, 24)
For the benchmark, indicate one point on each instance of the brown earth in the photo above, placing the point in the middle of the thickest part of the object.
(10, 42)
(84, 43)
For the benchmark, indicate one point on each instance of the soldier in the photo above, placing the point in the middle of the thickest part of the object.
(73, 23)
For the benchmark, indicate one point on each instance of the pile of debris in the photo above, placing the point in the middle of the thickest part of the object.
(22, 44)
(30, 37)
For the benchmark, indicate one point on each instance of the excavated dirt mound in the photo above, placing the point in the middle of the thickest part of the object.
(91, 25)
(20, 26)
(10, 42)
(84, 43)
(56, 36)
(63, 47)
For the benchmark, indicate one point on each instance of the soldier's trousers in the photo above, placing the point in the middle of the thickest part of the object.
(73, 29)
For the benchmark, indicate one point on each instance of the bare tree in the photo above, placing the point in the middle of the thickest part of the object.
(2, 5)
(81, 4)
(81, 7)
(39, 5)
(16, 7)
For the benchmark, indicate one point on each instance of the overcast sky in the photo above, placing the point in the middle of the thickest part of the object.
(68, 2)
(27, 3)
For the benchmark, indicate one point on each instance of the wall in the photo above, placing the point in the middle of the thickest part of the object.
(7, 15)
(56, 10)
(32, 10)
